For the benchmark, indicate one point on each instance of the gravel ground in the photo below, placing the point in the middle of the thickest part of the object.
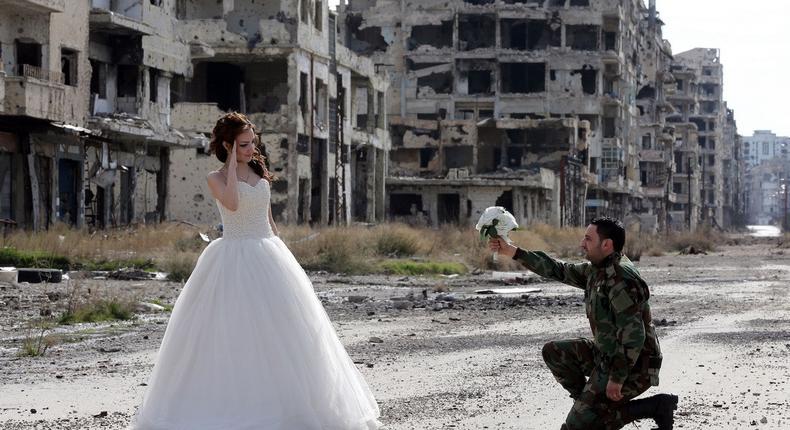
(436, 354)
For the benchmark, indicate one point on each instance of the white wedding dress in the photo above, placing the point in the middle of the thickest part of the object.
(249, 345)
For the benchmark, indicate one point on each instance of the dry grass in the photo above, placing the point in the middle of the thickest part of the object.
(37, 341)
(705, 239)
(141, 242)
(174, 247)
(90, 305)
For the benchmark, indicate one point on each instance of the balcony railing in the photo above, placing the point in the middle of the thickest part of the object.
(28, 71)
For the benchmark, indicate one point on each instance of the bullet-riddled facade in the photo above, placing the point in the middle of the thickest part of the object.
(565, 96)
(110, 105)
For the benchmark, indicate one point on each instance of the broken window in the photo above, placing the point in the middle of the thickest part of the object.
(363, 40)
(541, 35)
(513, 34)
(437, 36)
(127, 81)
(589, 79)
(505, 200)
(458, 156)
(426, 155)
(439, 83)
(610, 40)
(647, 141)
(303, 93)
(476, 31)
(679, 84)
(99, 79)
(701, 125)
(448, 208)
(479, 82)
(475, 77)
(153, 85)
(556, 3)
(523, 77)
(318, 16)
(647, 92)
(582, 37)
(405, 204)
(361, 103)
(609, 128)
(177, 89)
(68, 66)
(580, 3)
(28, 54)
(267, 85)
(304, 10)
(224, 85)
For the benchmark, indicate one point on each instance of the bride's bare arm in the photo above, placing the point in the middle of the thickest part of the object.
(226, 189)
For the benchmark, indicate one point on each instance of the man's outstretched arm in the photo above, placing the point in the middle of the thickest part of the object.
(540, 263)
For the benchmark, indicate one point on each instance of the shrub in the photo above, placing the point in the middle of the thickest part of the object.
(99, 310)
(408, 267)
(179, 266)
(37, 259)
(398, 241)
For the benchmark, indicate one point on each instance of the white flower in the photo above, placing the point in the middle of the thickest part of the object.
(496, 221)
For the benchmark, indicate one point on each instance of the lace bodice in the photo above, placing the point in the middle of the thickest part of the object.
(251, 219)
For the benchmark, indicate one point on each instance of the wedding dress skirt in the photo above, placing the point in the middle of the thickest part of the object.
(249, 346)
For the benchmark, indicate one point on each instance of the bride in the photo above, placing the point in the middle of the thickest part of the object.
(249, 345)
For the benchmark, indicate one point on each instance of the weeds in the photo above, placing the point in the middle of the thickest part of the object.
(37, 341)
(407, 267)
(179, 266)
(92, 308)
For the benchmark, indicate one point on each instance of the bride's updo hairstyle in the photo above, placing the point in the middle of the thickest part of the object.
(230, 126)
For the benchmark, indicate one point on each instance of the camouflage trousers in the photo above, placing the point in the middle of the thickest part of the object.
(575, 364)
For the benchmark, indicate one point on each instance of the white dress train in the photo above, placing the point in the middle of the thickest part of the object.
(249, 345)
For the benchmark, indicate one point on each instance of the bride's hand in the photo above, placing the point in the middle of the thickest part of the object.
(232, 160)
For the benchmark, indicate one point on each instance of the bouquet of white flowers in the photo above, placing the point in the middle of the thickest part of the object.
(496, 221)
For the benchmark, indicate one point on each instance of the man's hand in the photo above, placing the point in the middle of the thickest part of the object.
(497, 244)
(613, 391)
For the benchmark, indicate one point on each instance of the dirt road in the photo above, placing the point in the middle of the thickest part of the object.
(448, 360)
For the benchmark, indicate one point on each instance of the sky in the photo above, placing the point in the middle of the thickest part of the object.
(754, 43)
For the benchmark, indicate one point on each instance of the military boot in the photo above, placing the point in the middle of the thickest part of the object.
(659, 407)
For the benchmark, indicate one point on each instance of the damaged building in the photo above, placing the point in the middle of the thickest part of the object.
(320, 108)
(558, 94)
(707, 151)
(767, 170)
(106, 107)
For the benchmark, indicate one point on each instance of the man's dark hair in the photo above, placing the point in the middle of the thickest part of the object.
(610, 228)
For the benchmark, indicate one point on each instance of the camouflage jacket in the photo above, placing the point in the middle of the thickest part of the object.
(616, 301)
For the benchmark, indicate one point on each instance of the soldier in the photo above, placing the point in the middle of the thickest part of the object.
(623, 359)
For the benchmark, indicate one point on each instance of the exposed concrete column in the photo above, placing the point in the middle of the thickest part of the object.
(381, 177)
(371, 126)
(34, 194)
(324, 181)
(370, 192)
(430, 201)
(292, 172)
